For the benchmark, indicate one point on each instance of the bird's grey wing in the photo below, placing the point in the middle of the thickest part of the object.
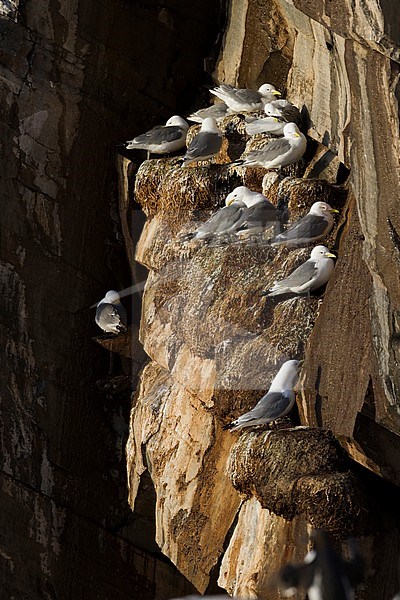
(248, 96)
(107, 315)
(122, 313)
(265, 125)
(301, 275)
(270, 407)
(310, 226)
(203, 144)
(274, 149)
(217, 111)
(223, 219)
(261, 213)
(274, 405)
(159, 135)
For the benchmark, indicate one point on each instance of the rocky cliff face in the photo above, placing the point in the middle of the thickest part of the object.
(76, 78)
(237, 508)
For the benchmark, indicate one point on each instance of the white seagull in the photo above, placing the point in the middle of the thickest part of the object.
(313, 227)
(309, 276)
(283, 109)
(244, 211)
(206, 144)
(244, 100)
(110, 314)
(162, 139)
(277, 402)
(278, 153)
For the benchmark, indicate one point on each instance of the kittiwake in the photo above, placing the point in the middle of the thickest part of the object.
(217, 111)
(309, 276)
(313, 227)
(259, 214)
(244, 211)
(324, 575)
(162, 139)
(282, 109)
(278, 153)
(244, 100)
(110, 314)
(277, 402)
(206, 144)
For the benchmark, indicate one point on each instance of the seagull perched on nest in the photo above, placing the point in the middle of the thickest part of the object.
(277, 402)
(244, 211)
(244, 100)
(324, 574)
(283, 109)
(309, 276)
(278, 153)
(313, 227)
(162, 139)
(217, 111)
(110, 314)
(279, 112)
(206, 144)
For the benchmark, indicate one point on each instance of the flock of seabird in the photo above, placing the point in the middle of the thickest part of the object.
(324, 575)
(246, 212)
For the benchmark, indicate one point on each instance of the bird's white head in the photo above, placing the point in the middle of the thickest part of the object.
(209, 125)
(267, 88)
(178, 122)
(237, 194)
(271, 110)
(321, 252)
(322, 209)
(291, 131)
(287, 376)
(112, 297)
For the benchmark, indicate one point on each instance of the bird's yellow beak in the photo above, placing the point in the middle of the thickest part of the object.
(276, 93)
(296, 135)
(333, 210)
(329, 255)
(229, 202)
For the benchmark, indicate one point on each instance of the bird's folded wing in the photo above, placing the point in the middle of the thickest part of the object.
(204, 144)
(224, 219)
(158, 135)
(303, 274)
(273, 150)
(310, 226)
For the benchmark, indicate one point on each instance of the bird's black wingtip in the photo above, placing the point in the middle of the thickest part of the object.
(227, 426)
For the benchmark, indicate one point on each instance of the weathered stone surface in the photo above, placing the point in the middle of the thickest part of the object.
(184, 450)
(262, 543)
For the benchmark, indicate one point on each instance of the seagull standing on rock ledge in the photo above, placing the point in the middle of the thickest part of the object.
(278, 153)
(313, 227)
(244, 100)
(206, 144)
(110, 314)
(162, 139)
(277, 402)
(309, 276)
